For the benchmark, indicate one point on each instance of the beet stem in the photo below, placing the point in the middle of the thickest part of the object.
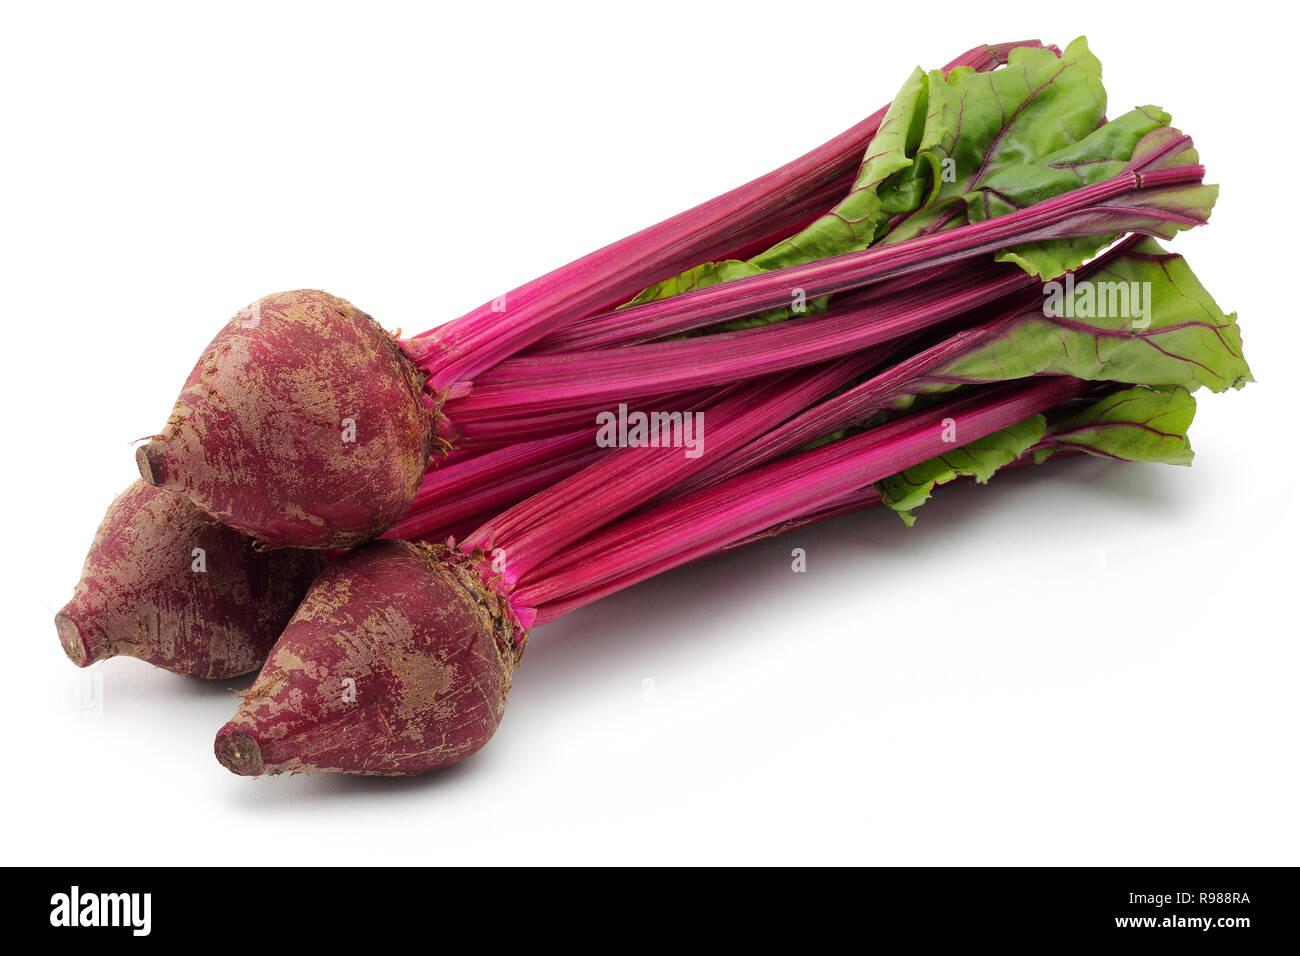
(461, 349)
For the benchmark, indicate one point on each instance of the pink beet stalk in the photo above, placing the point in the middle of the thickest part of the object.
(496, 478)
(461, 349)
(860, 499)
(1155, 195)
(509, 475)
(607, 331)
(1158, 193)
(488, 429)
(553, 381)
(489, 483)
(855, 405)
(675, 533)
(537, 528)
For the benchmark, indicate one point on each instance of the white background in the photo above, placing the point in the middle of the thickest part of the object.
(1091, 664)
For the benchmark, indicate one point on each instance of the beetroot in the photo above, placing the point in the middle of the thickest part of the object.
(303, 424)
(397, 662)
(175, 587)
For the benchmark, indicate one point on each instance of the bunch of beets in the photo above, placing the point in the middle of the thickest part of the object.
(967, 280)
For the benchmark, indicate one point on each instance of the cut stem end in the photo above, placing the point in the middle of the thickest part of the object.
(83, 643)
(151, 461)
(238, 752)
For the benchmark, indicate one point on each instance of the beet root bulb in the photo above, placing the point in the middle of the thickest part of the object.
(397, 662)
(168, 584)
(304, 424)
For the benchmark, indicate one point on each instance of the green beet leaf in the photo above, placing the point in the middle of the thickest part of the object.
(909, 489)
(1143, 319)
(854, 223)
(1135, 424)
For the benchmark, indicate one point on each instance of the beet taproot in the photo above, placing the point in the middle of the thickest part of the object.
(304, 424)
(397, 662)
(170, 585)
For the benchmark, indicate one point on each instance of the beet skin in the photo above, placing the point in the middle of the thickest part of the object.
(168, 584)
(304, 424)
(397, 662)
